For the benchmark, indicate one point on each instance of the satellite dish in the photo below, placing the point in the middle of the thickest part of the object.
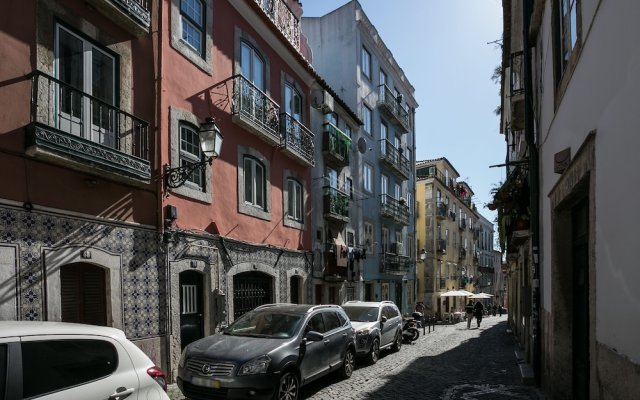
(362, 145)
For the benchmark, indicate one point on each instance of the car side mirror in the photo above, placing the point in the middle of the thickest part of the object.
(313, 336)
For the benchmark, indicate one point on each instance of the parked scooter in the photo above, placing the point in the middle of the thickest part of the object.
(410, 332)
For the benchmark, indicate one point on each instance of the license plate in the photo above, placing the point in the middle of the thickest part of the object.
(210, 383)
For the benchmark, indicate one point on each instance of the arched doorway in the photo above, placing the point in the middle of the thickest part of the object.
(251, 289)
(83, 297)
(191, 307)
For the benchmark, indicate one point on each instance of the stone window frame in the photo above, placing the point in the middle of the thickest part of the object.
(366, 71)
(564, 71)
(250, 209)
(203, 61)
(287, 219)
(177, 117)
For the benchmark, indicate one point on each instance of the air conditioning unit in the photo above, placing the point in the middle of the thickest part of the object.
(322, 100)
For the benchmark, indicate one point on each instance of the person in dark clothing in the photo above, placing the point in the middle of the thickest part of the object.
(468, 313)
(495, 309)
(478, 310)
(500, 309)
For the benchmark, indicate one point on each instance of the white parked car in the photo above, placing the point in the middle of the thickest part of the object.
(58, 360)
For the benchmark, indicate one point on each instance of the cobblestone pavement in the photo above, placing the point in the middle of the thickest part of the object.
(449, 363)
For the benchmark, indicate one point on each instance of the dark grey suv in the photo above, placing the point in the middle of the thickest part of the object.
(269, 353)
(378, 326)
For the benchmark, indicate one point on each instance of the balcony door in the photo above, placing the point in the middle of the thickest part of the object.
(85, 100)
(384, 188)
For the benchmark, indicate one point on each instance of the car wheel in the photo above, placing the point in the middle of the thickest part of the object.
(374, 353)
(348, 364)
(288, 387)
(397, 344)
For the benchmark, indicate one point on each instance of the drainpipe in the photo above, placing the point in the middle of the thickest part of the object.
(534, 184)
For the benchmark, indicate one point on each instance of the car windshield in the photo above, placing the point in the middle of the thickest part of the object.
(362, 314)
(267, 323)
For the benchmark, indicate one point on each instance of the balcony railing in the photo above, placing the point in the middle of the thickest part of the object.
(332, 271)
(84, 130)
(336, 204)
(255, 110)
(462, 252)
(394, 264)
(335, 146)
(284, 19)
(441, 246)
(441, 210)
(298, 140)
(133, 15)
(393, 157)
(394, 208)
(392, 107)
(517, 73)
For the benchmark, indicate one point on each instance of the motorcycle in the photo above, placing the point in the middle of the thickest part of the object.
(410, 332)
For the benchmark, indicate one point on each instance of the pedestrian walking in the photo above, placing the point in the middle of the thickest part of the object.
(478, 309)
(495, 309)
(500, 309)
(468, 310)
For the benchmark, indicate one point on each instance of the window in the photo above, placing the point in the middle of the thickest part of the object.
(192, 17)
(366, 63)
(53, 365)
(383, 79)
(410, 202)
(398, 191)
(295, 202)
(254, 182)
(252, 65)
(568, 29)
(367, 176)
(348, 187)
(88, 71)
(293, 102)
(368, 236)
(347, 130)
(350, 239)
(332, 175)
(190, 153)
(332, 118)
(383, 138)
(385, 240)
(366, 119)
(384, 188)
(399, 247)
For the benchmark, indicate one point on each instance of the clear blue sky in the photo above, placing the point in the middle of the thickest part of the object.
(443, 47)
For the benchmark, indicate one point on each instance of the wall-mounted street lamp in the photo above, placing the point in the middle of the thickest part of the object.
(423, 255)
(210, 144)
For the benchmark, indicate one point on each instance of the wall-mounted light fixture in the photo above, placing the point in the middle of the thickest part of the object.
(210, 144)
(423, 255)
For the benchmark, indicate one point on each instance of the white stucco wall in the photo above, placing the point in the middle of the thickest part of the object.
(603, 95)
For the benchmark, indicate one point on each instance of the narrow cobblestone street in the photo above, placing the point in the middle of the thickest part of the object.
(448, 363)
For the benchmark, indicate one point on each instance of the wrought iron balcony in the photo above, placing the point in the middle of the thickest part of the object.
(336, 204)
(394, 264)
(441, 246)
(297, 139)
(462, 252)
(84, 132)
(392, 107)
(332, 271)
(254, 110)
(335, 146)
(517, 90)
(393, 158)
(283, 18)
(133, 15)
(441, 210)
(394, 208)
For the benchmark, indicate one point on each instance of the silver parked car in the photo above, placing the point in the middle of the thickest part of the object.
(58, 360)
(269, 353)
(378, 326)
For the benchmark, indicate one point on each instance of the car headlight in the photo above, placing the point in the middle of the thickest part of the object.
(258, 365)
(363, 331)
(183, 358)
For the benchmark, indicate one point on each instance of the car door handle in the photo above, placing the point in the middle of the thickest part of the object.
(121, 393)
(326, 341)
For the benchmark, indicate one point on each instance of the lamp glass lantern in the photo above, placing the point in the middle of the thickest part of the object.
(210, 144)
